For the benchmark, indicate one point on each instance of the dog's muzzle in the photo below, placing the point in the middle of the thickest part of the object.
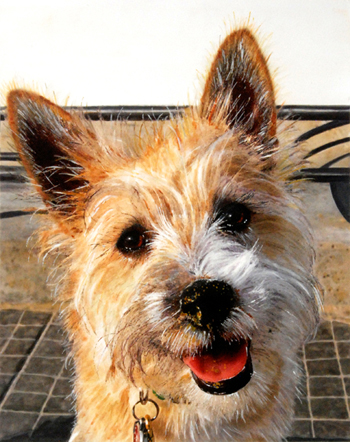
(226, 367)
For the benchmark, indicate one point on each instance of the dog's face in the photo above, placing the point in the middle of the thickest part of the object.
(212, 265)
(186, 256)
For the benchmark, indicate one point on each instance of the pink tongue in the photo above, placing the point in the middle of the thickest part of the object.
(219, 367)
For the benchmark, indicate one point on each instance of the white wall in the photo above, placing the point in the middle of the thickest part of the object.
(122, 52)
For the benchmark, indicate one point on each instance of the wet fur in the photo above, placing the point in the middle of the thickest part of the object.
(122, 313)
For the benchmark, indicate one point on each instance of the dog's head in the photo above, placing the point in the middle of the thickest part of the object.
(185, 254)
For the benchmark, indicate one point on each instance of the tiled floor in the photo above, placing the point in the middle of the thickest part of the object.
(35, 381)
(324, 409)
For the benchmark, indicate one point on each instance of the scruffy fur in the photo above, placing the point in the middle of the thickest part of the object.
(122, 308)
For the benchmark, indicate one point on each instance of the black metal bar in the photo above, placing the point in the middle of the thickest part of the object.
(320, 129)
(336, 160)
(12, 173)
(15, 213)
(138, 113)
(9, 156)
(325, 174)
(314, 113)
(327, 146)
(130, 113)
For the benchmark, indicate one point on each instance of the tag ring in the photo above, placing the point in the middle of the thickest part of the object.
(143, 401)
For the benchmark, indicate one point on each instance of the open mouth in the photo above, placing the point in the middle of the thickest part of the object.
(223, 369)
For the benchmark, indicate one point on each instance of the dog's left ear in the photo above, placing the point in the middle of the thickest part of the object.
(239, 88)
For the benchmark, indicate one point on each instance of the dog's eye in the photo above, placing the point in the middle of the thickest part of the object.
(233, 218)
(133, 240)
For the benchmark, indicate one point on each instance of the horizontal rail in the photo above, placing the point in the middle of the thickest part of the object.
(319, 175)
(139, 113)
(325, 174)
(314, 113)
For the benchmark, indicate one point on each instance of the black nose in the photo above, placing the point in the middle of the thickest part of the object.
(208, 302)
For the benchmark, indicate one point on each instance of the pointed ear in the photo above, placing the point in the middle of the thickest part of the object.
(49, 143)
(239, 88)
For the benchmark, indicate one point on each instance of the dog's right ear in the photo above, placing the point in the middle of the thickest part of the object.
(49, 141)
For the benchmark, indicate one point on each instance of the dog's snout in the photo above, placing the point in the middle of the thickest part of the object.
(208, 302)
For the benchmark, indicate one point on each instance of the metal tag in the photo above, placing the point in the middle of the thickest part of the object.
(143, 431)
(142, 427)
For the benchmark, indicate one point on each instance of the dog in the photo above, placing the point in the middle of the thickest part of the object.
(185, 260)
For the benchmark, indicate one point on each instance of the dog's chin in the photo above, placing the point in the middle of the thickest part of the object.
(223, 369)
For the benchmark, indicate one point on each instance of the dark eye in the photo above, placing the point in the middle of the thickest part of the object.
(133, 240)
(233, 218)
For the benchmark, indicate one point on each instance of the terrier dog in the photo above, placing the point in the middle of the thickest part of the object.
(187, 279)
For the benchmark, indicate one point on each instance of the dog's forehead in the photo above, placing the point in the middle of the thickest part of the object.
(181, 159)
(180, 174)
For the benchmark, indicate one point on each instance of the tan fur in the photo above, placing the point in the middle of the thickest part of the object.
(124, 329)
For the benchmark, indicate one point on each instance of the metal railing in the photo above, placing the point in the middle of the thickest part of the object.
(334, 117)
